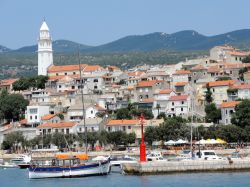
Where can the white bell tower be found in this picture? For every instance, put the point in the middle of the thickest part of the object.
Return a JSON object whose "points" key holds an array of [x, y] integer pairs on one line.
{"points": [[45, 53]]}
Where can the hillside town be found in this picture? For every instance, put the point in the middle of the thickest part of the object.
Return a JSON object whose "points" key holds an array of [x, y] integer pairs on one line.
{"points": [[86, 97]]}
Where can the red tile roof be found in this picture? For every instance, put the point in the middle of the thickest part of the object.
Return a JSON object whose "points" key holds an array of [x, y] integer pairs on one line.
{"points": [[7, 82], [123, 122], [239, 53], [178, 98], [91, 68], [23, 121], [221, 83], [135, 74], [230, 104], [57, 125], [239, 87], [181, 84], [65, 68], [165, 91], [147, 83], [48, 116]]}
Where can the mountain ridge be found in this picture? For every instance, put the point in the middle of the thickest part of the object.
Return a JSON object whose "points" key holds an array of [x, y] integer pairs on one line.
{"points": [[186, 40]]}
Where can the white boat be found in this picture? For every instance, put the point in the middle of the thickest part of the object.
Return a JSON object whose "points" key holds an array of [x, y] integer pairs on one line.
{"points": [[155, 156], [8, 165], [207, 155], [21, 159], [70, 167], [117, 161]]}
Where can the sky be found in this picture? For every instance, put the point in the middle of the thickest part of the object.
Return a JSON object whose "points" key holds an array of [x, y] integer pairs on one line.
{"points": [[95, 22]]}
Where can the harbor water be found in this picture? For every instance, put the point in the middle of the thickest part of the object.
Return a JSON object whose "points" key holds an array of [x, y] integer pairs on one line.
{"points": [[19, 178]]}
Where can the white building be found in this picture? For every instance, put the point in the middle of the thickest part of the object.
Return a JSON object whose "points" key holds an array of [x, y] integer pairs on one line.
{"points": [[45, 53], [227, 109], [61, 127], [161, 100], [178, 105], [35, 113]]}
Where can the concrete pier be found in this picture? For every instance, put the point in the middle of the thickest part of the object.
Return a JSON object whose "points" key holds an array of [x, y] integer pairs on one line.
{"points": [[159, 167]]}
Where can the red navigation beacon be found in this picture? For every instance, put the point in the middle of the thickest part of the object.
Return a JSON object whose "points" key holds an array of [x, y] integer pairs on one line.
{"points": [[142, 146]]}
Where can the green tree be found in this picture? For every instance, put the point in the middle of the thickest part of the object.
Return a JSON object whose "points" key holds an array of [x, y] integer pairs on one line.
{"points": [[92, 138], [59, 140], [224, 78], [151, 134], [241, 117], [242, 71], [173, 129], [103, 137], [61, 116], [212, 113], [123, 113], [21, 84], [162, 115], [41, 81], [158, 107], [13, 106], [11, 140], [208, 96], [37, 82], [116, 138], [230, 133]]}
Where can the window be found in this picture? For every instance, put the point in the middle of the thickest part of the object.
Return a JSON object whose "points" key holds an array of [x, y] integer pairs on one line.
{"points": [[80, 129], [33, 110], [74, 73], [95, 87], [35, 116], [67, 131], [60, 86], [236, 58], [146, 89], [30, 117], [172, 103], [56, 74], [95, 80], [172, 109], [226, 111], [109, 129], [65, 73], [182, 102], [91, 112], [72, 87], [123, 128], [129, 127], [140, 90], [182, 109]]}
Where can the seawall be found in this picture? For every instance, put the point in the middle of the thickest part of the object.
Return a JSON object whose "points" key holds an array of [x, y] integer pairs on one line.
{"points": [[159, 167]]}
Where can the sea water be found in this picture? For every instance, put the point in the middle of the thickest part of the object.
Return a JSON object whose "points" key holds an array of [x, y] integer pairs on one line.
{"points": [[19, 178]]}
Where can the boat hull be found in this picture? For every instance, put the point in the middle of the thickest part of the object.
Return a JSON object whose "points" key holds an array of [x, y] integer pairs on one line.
{"points": [[97, 168]]}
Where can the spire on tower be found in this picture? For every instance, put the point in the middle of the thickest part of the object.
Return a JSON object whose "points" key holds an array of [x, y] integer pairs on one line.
{"points": [[44, 26]]}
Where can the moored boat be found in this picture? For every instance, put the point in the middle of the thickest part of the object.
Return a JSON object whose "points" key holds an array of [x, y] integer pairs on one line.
{"points": [[69, 167]]}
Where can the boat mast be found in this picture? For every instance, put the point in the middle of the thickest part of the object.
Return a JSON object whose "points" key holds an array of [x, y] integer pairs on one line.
{"points": [[83, 107]]}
